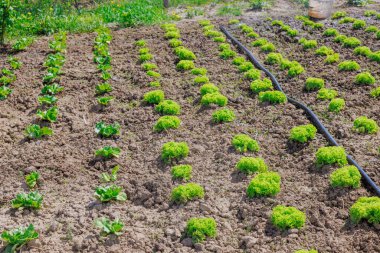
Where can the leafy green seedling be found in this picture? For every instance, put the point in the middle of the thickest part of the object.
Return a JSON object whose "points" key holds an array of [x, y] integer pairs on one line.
{"points": [[366, 208], [108, 193], [258, 86], [154, 97], [51, 89], [47, 100], [324, 51], [187, 192], [140, 43], [22, 44], [27, 200], [330, 59], [371, 29], [365, 125], [106, 177], [327, 94], [167, 122], [168, 107], [184, 53], [243, 143], [252, 74], [268, 47], [108, 152], [339, 14], [19, 237], [108, 227], [31, 179], [314, 84], [375, 92], [264, 184], [14, 62], [105, 100], [303, 133], [351, 42], [365, 78], [364, 51], [49, 115], [149, 66], [103, 88], [198, 229], [284, 217], [107, 131], [245, 66], [201, 80], [4, 92], [273, 97], [273, 58], [185, 65], [214, 98], [227, 54], [348, 176], [174, 151], [340, 38], [238, 60], [259, 42], [251, 165], [145, 57], [36, 132], [208, 88], [331, 155], [330, 32], [348, 66], [308, 44], [175, 43], [199, 71], [359, 24], [223, 115], [182, 172]]}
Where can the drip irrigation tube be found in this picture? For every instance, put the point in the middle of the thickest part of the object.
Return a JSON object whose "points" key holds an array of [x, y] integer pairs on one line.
{"points": [[313, 118]]}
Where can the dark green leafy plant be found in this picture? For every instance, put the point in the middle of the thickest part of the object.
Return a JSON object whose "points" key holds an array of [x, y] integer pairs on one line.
{"points": [[251, 165], [168, 107], [108, 193], [243, 143], [108, 152], [109, 227], [31, 179], [264, 184], [106, 177], [27, 200], [187, 192], [167, 122], [366, 208], [49, 115], [331, 155], [223, 115], [198, 229], [303, 133], [365, 125], [154, 97], [348, 176], [174, 151], [36, 132], [182, 172], [17, 238], [107, 131], [284, 217]]}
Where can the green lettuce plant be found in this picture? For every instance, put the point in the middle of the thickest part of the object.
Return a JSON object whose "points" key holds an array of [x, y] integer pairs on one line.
{"points": [[154, 97], [287, 217], [223, 115], [109, 193], [182, 172], [243, 143], [17, 238], [314, 84], [365, 78], [251, 165], [348, 176], [303, 133], [167, 122], [327, 94], [198, 229], [31, 200], [264, 185], [50, 114], [331, 155], [208, 88], [214, 98], [366, 208], [187, 192], [108, 152], [168, 107], [174, 151], [365, 125], [36, 132], [110, 227], [273, 97], [31, 179], [107, 130]]}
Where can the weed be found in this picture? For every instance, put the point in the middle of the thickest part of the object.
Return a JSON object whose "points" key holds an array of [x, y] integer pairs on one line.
{"points": [[198, 229], [264, 184], [331, 155], [284, 217], [174, 151], [303, 133], [223, 115], [243, 143], [348, 176], [187, 192], [365, 125]]}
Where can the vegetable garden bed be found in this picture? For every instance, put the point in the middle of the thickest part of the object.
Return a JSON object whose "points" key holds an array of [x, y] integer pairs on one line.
{"points": [[153, 220]]}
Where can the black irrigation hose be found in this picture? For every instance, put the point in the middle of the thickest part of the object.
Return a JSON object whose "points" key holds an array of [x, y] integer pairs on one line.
{"points": [[313, 118]]}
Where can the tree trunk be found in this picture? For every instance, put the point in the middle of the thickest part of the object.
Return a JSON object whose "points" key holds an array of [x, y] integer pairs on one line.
{"points": [[166, 3]]}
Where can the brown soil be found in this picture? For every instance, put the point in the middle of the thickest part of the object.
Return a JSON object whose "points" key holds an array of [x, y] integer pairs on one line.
{"points": [[153, 224]]}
